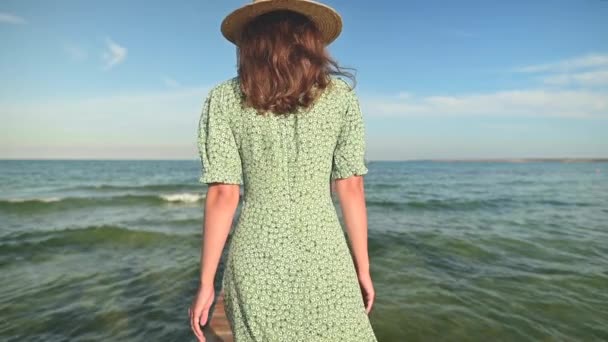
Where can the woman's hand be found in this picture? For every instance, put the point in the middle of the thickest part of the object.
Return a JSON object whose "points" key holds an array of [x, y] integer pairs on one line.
{"points": [[199, 310], [367, 290]]}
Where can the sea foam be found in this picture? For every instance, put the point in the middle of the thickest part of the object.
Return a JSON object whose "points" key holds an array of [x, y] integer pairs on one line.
{"points": [[182, 197]]}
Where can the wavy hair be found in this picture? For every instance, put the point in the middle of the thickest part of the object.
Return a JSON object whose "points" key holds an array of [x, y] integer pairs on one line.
{"points": [[283, 64]]}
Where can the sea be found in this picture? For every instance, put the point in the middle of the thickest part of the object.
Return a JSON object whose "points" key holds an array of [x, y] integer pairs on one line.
{"points": [[109, 250]]}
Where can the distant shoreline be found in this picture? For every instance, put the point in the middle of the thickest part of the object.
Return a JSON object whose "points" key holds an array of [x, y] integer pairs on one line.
{"points": [[499, 160], [525, 160]]}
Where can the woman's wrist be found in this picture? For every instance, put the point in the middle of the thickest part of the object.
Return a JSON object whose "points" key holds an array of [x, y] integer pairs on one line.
{"points": [[206, 281]]}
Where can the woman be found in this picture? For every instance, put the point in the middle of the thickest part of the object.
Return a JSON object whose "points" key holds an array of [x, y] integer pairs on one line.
{"points": [[284, 128]]}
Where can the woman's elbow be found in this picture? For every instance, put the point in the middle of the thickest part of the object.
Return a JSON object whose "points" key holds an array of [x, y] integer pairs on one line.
{"points": [[223, 193], [350, 185]]}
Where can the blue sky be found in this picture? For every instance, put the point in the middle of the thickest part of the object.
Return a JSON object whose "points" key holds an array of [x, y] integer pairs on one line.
{"points": [[436, 79]]}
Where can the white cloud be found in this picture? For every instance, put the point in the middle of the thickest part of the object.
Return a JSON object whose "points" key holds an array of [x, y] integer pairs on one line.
{"points": [[588, 78], [166, 117], [157, 104], [510, 103], [589, 71], [589, 99], [145, 104], [114, 54], [7, 18], [577, 63]]}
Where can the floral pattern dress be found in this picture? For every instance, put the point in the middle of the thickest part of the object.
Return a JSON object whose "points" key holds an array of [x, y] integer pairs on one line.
{"points": [[289, 274]]}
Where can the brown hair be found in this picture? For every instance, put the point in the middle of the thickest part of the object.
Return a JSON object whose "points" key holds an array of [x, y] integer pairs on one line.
{"points": [[283, 62]]}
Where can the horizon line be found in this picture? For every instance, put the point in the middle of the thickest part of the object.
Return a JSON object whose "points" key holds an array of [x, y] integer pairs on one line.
{"points": [[506, 159]]}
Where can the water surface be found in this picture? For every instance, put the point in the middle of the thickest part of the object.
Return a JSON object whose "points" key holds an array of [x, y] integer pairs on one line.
{"points": [[475, 251]]}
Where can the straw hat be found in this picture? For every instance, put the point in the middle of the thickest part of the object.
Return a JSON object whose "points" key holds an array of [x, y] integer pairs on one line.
{"points": [[326, 18]]}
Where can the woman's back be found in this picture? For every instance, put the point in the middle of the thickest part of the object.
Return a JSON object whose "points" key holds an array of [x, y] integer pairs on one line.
{"points": [[299, 150], [289, 272]]}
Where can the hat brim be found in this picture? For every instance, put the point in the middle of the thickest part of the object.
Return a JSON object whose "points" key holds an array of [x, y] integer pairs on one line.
{"points": [[327, 20]]}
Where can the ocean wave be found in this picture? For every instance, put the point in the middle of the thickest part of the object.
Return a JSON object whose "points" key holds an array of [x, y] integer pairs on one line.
{"points": [[42, 200], [442, 204], [472, 204], [52, 203], [144, 187], [32, 242], [184, 197]]}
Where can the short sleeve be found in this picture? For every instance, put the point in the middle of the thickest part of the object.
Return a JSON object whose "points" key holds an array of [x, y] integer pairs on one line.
{"points": [[218, 150], [349, 154]]}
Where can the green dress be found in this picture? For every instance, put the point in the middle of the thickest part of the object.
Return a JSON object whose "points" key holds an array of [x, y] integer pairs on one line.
{"points": [[289, 274]]}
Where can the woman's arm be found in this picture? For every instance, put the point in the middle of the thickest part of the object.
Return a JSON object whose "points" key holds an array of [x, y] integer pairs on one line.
{"points": [[220, 205], [351, 194], [352, 201]]}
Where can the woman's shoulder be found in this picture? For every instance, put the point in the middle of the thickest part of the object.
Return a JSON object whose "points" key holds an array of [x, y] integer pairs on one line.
{"points": [[227, 90], [341, 87], [340, 83], [341, 91], [227, 84]]}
